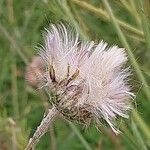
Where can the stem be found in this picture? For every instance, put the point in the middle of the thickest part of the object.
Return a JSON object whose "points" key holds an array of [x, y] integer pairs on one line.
{"points": [[78, 134], [10, 11], [13, 132], [83, 29], [145, 26], [66, 8], [53, 138], [131, 8], [141, 124], [105, 16], [137, 134], [13, 42], [14, 89], [135, 13], [42, 128]]}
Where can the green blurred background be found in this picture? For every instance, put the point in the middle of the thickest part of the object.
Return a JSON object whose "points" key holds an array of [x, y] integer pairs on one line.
{"points": [[122, 22]]}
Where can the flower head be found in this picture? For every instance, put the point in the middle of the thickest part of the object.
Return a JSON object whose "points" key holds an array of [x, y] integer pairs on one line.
{"points": [[88, 80]]}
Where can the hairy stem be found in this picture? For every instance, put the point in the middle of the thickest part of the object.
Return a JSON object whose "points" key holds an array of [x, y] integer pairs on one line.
{"points": [[42, 128]]}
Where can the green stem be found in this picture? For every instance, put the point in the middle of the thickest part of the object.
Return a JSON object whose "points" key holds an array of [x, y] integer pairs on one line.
{"points": [[145, 27], [78, 17], [79, 135], [105, 16], [13, 43], [131, 7], [141, 124], [14, 89], [133, 11], [66, 8], [137, 134]]}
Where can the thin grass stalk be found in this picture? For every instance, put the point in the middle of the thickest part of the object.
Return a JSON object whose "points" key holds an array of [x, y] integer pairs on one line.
{"points": [[83, 27], [136, 38], [1, 9], [138, 136], [14, 140], [53, 138], [128, 136], [105, 16], [10, 11], [29, 17], [126, 5], [78, 134], [13, 133], [126, 45], [66, 8], [135, 13], [145, 27], [114, 139], [13, 43], [142, 125], [130, 6], [14, 89]]}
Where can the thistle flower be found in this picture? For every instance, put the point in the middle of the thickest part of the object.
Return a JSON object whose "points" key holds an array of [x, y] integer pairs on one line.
{"points": [[87, 80]]}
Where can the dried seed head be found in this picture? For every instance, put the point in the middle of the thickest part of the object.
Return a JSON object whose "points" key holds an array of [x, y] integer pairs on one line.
{"points": [[88, 80], [34, 71]]}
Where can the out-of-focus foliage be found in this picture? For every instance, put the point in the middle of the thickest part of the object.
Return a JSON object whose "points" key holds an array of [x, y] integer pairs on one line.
{"points": [[22, 107]]}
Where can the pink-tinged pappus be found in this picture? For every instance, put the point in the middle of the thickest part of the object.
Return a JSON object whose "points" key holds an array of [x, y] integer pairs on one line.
{"points": [[88, 80]]}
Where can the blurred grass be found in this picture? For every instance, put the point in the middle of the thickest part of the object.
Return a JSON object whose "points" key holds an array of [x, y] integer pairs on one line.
{"points": [[125, 23]]}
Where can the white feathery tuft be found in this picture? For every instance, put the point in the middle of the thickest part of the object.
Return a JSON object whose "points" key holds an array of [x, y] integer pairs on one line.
{"points": [[106, 93]]}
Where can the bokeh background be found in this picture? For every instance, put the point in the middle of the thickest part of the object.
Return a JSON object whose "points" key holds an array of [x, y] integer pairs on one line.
{"points": [[122, 22]]}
